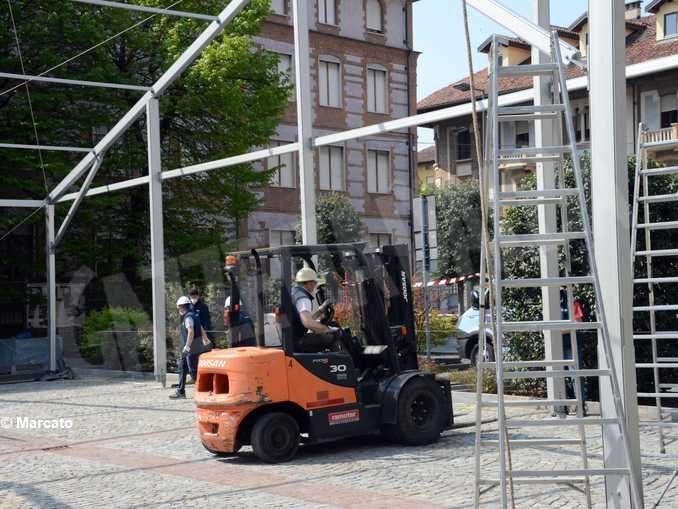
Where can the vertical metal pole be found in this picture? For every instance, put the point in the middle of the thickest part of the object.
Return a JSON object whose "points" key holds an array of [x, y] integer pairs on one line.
{"points": [[426, 266], [157, 241], [498, 308], [51, 286], [611, 232], [544, 131], [302, 72]]}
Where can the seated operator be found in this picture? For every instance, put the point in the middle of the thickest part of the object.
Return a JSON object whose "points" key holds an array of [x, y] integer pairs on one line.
{"points": [[303, 294]]}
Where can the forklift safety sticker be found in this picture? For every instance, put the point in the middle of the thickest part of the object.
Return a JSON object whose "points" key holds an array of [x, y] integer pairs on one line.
{"points": [[212, 363], [344, 417]]}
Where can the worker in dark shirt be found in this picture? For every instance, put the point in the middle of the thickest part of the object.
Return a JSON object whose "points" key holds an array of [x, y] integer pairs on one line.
{"points": [[199, 307]]}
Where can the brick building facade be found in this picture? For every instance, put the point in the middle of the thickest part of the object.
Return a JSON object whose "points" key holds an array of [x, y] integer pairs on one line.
{"points": [[363, 71]]}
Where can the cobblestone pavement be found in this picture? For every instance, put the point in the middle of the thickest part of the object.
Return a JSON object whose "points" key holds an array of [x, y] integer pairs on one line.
{"points": [[129, 446]]}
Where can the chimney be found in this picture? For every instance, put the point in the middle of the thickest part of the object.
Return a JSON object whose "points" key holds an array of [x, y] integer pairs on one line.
{"points": [[633, 10]]}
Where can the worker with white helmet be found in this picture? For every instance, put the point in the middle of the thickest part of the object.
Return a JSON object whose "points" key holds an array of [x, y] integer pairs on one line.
{"points": [[191, 347], [303, 298]]}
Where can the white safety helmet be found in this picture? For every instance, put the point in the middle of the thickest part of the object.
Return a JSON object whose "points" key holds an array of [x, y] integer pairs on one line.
{"points": [[183, 301], [306, 275]]}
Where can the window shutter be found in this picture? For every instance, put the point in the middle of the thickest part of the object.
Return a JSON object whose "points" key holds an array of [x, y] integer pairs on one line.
{"points": [[371, 171], [383, 172], [337, 166], [286, 171], [508, 135], [380, 91], [278, 6], [324, 163], [374, 16], [334, 84], [323, 83], [650, 107], [371, 98]]}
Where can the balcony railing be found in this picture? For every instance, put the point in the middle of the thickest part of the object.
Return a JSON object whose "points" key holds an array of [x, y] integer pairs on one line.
{"points": [[667, 134]]}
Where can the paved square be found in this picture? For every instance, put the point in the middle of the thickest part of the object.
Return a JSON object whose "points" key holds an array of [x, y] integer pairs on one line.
{"points": [[129, 446]]}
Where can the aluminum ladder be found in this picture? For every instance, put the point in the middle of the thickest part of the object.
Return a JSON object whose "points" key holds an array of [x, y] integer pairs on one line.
{"points": [[560, 111], [642, 197]]}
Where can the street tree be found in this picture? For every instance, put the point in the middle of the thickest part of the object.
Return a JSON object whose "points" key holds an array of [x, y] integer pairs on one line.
{"points": [[229, 101]]}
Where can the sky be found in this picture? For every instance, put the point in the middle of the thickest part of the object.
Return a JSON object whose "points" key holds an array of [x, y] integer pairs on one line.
{"points": [[439, 36]]}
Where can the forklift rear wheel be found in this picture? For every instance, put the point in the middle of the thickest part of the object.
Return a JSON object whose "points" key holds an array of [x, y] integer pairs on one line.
{"points": [[275, 437], [421, 418]]}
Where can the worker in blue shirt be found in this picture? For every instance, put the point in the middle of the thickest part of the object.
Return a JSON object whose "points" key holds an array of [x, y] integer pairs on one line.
{"points": [[199, 307], [193, 341]]}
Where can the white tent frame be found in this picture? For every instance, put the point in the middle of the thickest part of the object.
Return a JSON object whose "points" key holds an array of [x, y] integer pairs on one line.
{"points": [[537, 36]]}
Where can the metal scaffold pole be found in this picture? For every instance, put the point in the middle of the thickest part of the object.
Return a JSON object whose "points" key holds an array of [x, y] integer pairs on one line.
{"points": [[157, 241], [611, 232], [305, 121], [51, 286]]}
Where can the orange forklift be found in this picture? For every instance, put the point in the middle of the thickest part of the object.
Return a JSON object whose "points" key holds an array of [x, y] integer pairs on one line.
{"points": [[359, 379]]}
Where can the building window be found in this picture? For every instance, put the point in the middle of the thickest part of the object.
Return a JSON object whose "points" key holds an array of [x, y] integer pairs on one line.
{"points": [[327, 12], [284, 173], [522, 134], [430, 181], [671, 24], [279, 238], [286, 68], [376, 90], [378, 172], [331, 162], [278, 7], [374, 16], [378, 240], [463, 145], [330, 83], [669, 112]]}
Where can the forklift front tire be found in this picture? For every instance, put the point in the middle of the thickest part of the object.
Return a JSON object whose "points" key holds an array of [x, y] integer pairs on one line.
{"points": [[275, 437], [421, 414]]}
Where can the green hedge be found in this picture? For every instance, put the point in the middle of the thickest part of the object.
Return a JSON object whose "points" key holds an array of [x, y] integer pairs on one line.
{"points": [[98, 324]]}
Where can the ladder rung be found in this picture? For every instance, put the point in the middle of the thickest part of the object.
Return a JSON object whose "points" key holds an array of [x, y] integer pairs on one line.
{"points": [[532, 402], [656, 280], [548, 325], [528, 117], [658, 335], [660, 144], [661, 395], [536, 442], [666, 225], [667, 359], [552, 281], [567, 473], [526, 110], [662, 307], [659, 198], [540, 480], [530, 364], [668, 386], [654, 172], [570, 421], [658, 252], [527, 70], [556, 373], [539, 239], [535, 151], [665, 365], [531, 203], [538, 193], [659, 424]]}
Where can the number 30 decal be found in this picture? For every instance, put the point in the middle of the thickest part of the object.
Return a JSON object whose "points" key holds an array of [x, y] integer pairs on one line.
{"points": [[338, 368]]}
